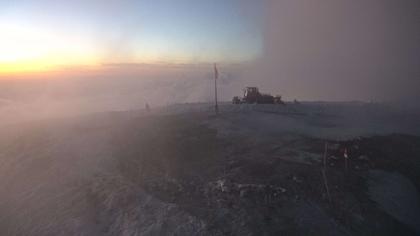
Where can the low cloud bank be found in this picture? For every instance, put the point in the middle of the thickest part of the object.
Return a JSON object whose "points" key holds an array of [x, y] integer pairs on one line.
{"points": [[113, 87]]}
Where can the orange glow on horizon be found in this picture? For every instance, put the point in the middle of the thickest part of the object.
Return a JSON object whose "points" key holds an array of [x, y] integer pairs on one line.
{"points": [[36, 66], [27, 50]]}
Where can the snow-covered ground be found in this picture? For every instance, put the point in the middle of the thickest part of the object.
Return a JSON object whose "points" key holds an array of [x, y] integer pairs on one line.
{"points": [[341, 120], [180, 169]]}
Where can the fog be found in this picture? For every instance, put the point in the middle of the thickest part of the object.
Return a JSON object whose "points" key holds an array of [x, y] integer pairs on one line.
{"points": [[113, 87], [141, 174], [311, 50], [341, 50]]}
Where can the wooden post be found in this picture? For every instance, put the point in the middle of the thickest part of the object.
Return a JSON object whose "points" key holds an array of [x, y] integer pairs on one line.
{"points": [[325, 155], [324, 174], [216, 76], [346, 159]]}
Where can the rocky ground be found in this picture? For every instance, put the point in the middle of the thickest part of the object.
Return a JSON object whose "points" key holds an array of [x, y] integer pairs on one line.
{"points": [[246, 171]]}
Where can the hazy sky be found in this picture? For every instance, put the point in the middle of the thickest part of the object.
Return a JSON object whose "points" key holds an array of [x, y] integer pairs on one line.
{"points": [[305, 49], [44, 33], [341, 49]]}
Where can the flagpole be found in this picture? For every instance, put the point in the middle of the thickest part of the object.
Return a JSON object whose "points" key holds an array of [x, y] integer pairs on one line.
{"points": [[216, 107]]}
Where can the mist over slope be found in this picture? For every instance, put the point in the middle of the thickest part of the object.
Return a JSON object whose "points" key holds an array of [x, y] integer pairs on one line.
{"points": [[80, 154], [181, 170], [113, 88], [129, 87]]}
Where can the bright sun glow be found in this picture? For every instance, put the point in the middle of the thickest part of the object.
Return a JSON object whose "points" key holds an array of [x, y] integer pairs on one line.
{"points": [[26, 49]]}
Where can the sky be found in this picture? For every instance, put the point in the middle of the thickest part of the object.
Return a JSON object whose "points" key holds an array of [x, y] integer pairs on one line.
{"points": [[46, 34], [329, 50]]}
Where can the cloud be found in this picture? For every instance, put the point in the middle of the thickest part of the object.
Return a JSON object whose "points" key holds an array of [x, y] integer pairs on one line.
{"points": [[341, 50]]}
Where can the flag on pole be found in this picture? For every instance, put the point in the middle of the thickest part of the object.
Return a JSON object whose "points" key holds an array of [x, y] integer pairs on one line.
{"points": [[216, 72]]}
